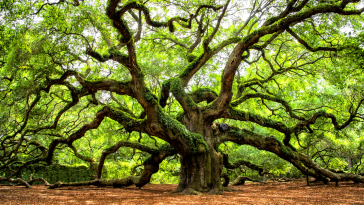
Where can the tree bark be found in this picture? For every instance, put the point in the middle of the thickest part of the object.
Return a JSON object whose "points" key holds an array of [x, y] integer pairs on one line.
{"points": [[18, 180], [201, 167], [264, 175], [201, 172], [350, 164], [241, 180]]}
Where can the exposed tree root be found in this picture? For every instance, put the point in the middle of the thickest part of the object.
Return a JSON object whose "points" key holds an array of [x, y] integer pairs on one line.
{"points": [[216, 191], [190, 191], [227, 189], [179, 189]]}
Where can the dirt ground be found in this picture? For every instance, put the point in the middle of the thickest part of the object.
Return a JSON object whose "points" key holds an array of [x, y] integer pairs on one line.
{"points": [[251, 193]]}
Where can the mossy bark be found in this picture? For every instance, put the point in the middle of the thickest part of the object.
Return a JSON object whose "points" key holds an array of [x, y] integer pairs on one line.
{"points": [[200, 173], [301, 161], [201, 166]]}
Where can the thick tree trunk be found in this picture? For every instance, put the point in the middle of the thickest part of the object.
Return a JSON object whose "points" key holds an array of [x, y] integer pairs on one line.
{"points": [[201, 166], [201, 172]]}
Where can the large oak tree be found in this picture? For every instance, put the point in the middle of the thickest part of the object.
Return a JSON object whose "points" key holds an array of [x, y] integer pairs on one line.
{"points": [[262, 67]]}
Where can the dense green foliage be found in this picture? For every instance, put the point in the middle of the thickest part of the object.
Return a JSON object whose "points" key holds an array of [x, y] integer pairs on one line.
{"points": [[76, 79]]}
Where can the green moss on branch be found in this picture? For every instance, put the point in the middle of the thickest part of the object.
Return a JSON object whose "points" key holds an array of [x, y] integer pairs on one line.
{"points": [[191, 140]]}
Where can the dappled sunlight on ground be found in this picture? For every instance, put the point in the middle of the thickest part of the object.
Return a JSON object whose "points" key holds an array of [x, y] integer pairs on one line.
{"points": [[250, 193]]}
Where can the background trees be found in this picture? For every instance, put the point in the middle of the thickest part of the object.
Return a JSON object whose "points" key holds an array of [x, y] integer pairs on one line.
{"points": [[80, 80]]}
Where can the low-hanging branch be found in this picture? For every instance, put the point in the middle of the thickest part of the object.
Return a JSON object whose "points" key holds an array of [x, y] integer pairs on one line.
{"points": [[304, 163], [18, 180], [238, 163], [91, 160], [114, 148], [30, 182], [151, 166], [241, 180]]}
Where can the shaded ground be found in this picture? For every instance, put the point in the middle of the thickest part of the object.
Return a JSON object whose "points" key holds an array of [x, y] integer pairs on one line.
{"points": [[250, 193]]}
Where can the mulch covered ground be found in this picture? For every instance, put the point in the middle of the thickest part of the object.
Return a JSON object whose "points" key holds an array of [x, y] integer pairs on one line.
{"points": [[251, 193]]}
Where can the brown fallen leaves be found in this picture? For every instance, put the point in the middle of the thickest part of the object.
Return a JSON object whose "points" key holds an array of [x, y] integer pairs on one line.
{"points": [[251, 193]]}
